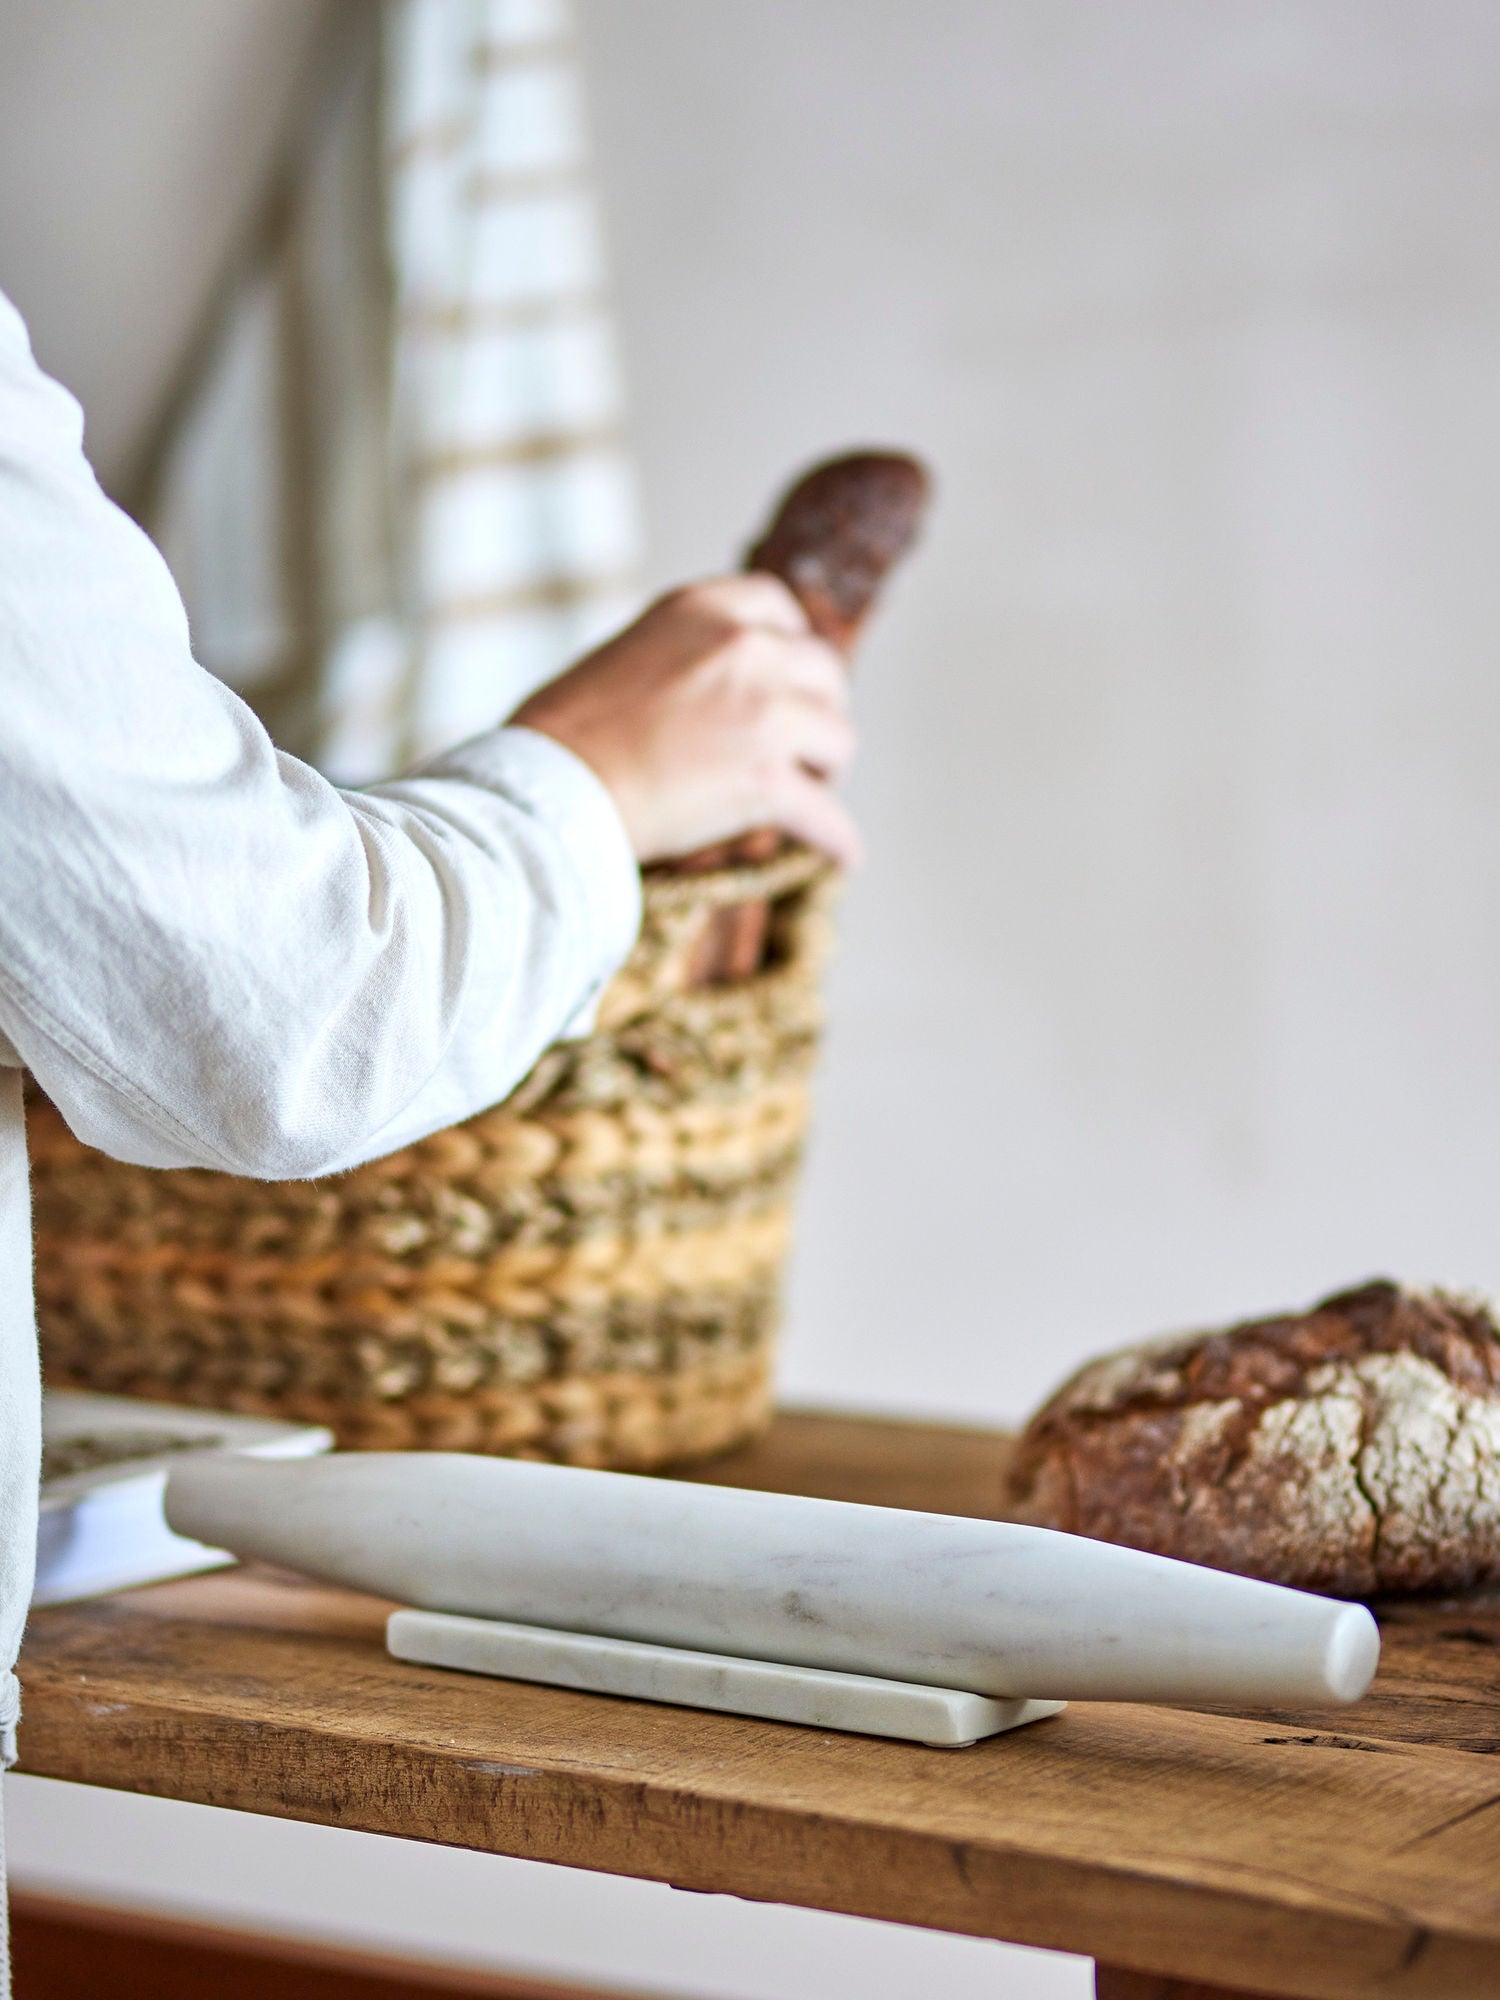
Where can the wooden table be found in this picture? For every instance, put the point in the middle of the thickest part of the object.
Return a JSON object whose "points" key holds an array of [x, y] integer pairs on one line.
{"points": [[1317, 1855]]}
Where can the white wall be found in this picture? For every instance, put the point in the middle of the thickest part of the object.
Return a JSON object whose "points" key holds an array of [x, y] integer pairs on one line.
{"points": [[1172, 987], [135, 143]]}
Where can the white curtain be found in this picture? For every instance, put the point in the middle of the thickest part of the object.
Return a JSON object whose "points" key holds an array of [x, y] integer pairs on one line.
{"points": [[396, 491]]}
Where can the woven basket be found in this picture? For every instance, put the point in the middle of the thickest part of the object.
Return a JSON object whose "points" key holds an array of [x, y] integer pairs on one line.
{"points": [[588, 1272]]}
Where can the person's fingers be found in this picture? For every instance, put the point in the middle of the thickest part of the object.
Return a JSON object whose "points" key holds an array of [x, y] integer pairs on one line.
{"points": [[806, 807], [815, 735], [786, 665], [752, 599], [812, 668]]}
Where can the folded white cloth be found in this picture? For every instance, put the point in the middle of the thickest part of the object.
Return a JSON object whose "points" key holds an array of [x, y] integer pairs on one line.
{"points": [[395, 489]]}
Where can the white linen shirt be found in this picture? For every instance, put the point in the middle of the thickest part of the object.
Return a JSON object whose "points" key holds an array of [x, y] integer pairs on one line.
{"points": [[211, 957]]}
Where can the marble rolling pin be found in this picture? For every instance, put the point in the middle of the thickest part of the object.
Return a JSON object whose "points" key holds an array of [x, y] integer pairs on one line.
{"points": [[1000, 1610]]}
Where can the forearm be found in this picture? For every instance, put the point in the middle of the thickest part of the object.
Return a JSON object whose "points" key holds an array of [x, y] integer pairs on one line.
{"points": [[210, 956]]}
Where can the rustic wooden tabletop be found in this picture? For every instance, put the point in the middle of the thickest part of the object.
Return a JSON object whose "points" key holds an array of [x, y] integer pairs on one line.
{"points": [[1326, 1856]]}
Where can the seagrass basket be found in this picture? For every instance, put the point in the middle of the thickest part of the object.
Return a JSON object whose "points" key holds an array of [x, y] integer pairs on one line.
{"points": [[588, 1272]]}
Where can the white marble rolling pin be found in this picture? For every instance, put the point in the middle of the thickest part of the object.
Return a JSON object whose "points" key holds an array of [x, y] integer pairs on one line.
{"points": [[980, 1605]]}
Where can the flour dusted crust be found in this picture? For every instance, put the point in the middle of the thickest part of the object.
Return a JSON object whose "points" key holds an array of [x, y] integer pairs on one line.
{"points": [[839, 531], [1353, 1449]]}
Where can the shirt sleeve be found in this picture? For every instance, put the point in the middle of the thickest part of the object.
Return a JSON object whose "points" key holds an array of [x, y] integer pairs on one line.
{"points": [[210, 956]]}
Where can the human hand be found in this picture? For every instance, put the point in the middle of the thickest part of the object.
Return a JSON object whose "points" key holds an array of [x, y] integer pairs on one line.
{"points": [[716, 712]]}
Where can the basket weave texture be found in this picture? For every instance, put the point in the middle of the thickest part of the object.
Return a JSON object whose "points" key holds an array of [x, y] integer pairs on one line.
{"points": [[588, 1272]]}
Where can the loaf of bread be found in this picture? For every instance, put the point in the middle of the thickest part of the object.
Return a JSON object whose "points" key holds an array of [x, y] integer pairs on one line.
{"points": [[1353, 1449], [836, 534], [834, 537]]}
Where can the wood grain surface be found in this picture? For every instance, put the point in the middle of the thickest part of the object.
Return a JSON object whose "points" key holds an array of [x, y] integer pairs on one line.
{"points": [[1111, 1984], [1318, 1856]]}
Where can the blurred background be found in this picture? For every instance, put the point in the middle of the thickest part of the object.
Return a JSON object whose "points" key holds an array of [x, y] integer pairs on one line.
{"points": [[1171, 989]]}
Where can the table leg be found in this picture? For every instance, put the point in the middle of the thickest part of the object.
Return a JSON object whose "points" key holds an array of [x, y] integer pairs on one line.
{"points": [[1113, 1983]]}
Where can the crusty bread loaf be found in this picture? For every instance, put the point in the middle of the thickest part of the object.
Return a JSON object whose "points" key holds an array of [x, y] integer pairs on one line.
{"points": [[836, 534], [1353, 1449], [834, 537], [839, 532]]}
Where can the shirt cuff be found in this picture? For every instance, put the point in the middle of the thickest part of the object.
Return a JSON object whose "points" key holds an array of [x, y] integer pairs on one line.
{"points": [[561, 792]]}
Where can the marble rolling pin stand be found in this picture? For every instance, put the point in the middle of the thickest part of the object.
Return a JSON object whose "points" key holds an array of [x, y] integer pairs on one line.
{"points": [[926, 1626]]}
